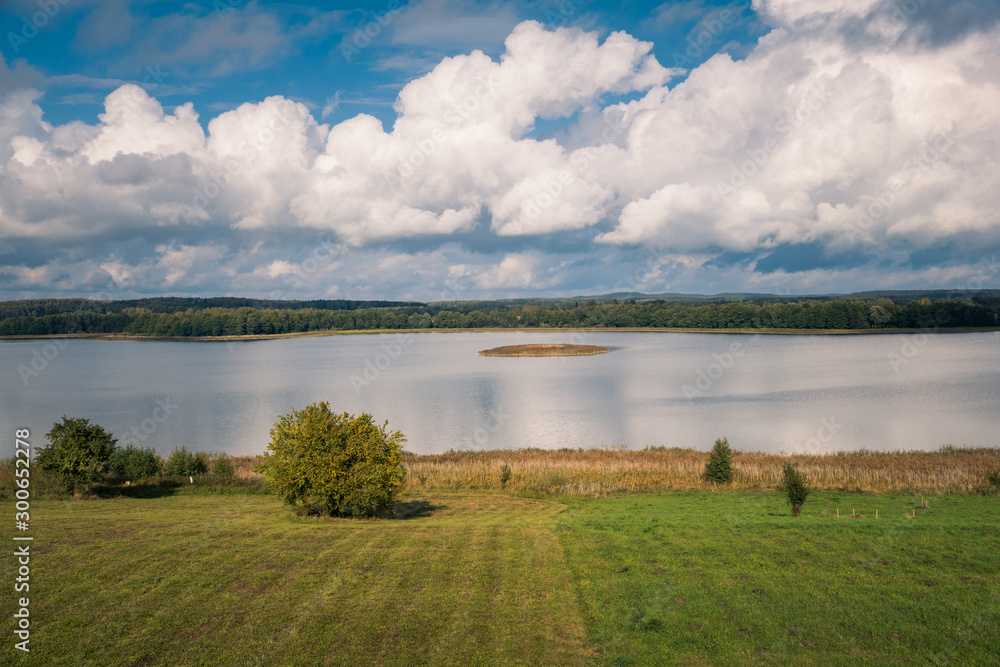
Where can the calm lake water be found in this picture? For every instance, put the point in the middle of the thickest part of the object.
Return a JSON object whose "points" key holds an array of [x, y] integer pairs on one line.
{"points": [[764, 392]]}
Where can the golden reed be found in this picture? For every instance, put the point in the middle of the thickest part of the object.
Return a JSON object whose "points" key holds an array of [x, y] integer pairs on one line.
{"points": [[616, 470]]}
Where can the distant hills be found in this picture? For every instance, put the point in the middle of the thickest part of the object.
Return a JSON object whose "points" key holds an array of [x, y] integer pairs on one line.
{"points": [[174, 304], [896, 296]]}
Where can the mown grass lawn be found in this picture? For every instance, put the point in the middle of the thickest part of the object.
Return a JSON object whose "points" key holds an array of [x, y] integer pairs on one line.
{"points": [[688, 578], [731, 578], [240, 580]]}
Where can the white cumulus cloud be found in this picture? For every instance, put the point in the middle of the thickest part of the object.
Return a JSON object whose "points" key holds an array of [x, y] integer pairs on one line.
{"points": [[846, 127]]}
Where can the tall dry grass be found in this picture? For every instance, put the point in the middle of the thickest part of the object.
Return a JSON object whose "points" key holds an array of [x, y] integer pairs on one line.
{"points": [[616, 470], [604, 471]]}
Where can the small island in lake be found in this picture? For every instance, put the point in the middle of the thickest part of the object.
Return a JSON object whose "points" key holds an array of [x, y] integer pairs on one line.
{"points": [[544, 350]]}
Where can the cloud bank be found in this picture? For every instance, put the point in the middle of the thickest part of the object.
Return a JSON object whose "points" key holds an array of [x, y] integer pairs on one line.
{"points": [[857, 142]]}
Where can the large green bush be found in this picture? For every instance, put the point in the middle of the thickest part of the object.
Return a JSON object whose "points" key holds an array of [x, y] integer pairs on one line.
{"points": [[719, 468], [79, 453], [133, 462], [335, 464]]}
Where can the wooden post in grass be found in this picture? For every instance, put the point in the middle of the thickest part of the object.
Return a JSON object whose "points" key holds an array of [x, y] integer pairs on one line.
{"points": [[838, 512], [876, 514]]}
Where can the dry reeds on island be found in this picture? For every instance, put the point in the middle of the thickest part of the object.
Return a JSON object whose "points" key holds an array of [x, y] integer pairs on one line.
{"points": [[544, 350], [615, 470]]}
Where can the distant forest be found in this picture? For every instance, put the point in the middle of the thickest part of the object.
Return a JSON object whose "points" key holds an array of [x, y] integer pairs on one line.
{"points": [[227, 316]]}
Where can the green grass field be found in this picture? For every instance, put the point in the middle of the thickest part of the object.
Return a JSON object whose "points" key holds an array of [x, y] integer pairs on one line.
{"points": [[686, 578], [731, 578]]}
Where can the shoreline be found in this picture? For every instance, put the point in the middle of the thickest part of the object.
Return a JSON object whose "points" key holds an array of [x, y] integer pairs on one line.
{"points": [[354, 332]]}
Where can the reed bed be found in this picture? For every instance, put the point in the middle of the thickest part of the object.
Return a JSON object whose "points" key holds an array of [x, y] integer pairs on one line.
{"points": [[544, 350], [606, 471], [598, 472]]}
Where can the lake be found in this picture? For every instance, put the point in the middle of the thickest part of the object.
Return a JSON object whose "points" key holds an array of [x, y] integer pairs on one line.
{"points": [[771, 393]]}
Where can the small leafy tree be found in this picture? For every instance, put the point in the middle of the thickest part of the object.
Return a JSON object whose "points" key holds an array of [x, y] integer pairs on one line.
{"points": [[78, 453], [795, 488], [719, 468], [335, 464], [223, 466], [182, 462], [134, 462]]}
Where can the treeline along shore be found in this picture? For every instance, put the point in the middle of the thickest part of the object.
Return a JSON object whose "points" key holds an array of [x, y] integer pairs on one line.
{"points": [[177, 317]]}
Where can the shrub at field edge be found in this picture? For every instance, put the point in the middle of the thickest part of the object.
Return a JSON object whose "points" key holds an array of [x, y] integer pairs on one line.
{"points": [[335, 464], [719, 468], [795, 488]]}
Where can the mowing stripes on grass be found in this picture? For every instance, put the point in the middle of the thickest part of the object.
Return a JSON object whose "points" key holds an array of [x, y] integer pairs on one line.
{"points": [[197, 580]]}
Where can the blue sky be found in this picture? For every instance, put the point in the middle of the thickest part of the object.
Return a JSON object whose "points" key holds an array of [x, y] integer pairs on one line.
{"points": [[338, 62], [451, 150]]}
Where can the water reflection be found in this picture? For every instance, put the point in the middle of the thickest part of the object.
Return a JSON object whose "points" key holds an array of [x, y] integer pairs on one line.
{"points": [[774, 393]]}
